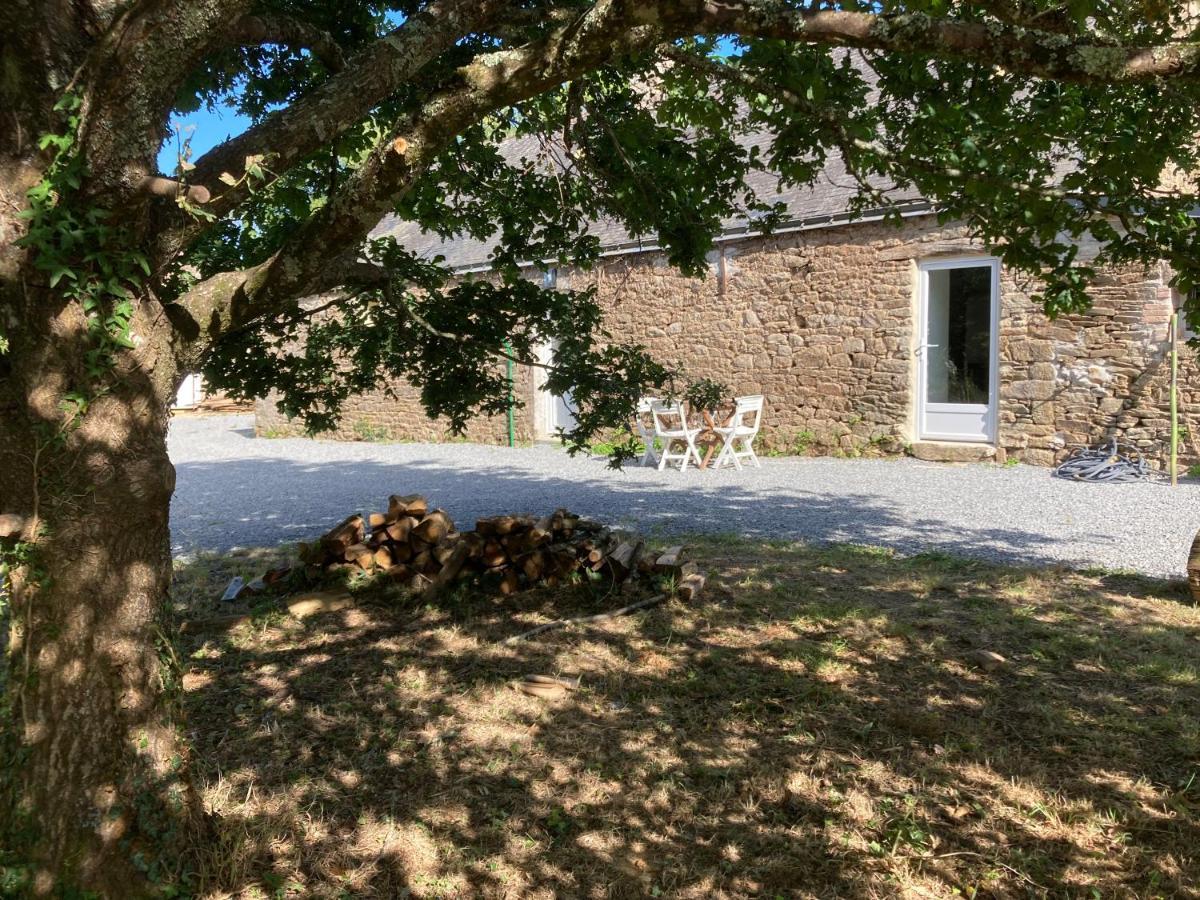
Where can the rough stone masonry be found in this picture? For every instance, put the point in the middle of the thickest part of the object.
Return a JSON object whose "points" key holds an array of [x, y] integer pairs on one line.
{"points": [[822, 322]]}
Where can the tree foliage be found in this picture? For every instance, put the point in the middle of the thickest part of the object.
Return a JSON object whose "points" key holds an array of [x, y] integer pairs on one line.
{"points": [[649, 137]]}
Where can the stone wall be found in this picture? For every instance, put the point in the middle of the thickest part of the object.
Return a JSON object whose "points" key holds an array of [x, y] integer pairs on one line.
{"points": [[377, 416], [821, 322]]}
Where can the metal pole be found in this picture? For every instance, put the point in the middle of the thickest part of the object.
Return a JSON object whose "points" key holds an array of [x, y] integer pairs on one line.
{"points": [[512, 424], [1174, 398]]}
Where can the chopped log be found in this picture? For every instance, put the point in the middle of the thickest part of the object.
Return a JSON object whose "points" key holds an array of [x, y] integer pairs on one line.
{"points": [[475, 542], [669, 561], [493, 555], [361, 555], [274, 576], [409, 505], [690, 587], [546, 527], [522, 542], [506, 524], [450, 569], [435, 526], [510, 582], [401, 552], [422, 562], [344, 535], [214, 623], [400, 529], [533, 565], [376, 520], [622, 561], [446, 549], [383, 558]]}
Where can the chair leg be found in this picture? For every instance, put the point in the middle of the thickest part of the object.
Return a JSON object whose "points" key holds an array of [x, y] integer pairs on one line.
{"points": [[689, 450], [662, 460], [723, 456]]}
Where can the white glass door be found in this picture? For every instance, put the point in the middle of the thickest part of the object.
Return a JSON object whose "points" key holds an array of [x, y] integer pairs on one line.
{"points": [[957, 350], [557, 410]]}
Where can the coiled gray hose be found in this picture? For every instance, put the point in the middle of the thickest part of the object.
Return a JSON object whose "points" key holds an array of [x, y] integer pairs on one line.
{"points": [[1107, 464]]}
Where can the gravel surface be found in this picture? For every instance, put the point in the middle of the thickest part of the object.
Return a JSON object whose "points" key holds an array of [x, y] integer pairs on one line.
{"points": [[235, 490]]}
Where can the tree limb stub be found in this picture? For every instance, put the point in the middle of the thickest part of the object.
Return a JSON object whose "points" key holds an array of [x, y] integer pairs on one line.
{"points": [[166, 187]]}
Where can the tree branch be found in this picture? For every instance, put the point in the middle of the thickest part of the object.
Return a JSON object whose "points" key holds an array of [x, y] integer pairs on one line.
{"points": [[1044, 54], [606, 30], [289, 32], [130, 81], [345, 100], [490, 82], [379, 71]]}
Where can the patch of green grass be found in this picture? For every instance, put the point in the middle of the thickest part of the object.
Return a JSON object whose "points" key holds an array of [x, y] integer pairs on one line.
{"points": [[376, 434]]}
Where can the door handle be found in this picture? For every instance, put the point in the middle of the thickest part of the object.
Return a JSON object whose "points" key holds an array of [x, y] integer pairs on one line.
{"points": [[924, 347]]}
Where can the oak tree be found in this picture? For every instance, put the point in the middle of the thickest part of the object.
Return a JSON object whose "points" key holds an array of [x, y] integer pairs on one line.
{"points": [[1040, 124]]}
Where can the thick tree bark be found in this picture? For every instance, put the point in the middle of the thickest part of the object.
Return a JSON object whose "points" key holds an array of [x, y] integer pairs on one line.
{"points": [[94, 792]]}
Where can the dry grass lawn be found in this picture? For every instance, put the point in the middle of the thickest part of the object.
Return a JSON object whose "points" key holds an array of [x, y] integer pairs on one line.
{"points": [[819, 725]]}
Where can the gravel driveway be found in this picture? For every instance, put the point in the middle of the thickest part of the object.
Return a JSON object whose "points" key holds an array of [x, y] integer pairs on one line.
{"points": [[235, 490]]}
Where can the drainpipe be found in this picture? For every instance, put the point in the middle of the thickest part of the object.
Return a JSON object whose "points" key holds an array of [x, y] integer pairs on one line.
{"points": [[1174, 398], [512, 424]]}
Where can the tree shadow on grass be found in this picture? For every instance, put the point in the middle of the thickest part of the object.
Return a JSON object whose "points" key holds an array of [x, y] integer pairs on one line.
{"points": [[818, 724]]}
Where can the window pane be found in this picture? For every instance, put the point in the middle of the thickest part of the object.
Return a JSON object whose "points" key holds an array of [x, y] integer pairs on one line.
{"points": [[958, 335]]}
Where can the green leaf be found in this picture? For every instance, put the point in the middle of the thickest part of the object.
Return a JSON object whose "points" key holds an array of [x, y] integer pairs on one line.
{"points": [[58, 273]]}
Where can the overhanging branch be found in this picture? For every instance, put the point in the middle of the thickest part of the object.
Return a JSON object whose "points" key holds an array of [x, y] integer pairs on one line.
{"points": [[284, 30], [342, 102], [605, 31]]}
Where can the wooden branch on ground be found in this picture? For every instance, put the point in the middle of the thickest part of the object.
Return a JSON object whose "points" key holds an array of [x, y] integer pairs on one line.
{"points": [[581, 620]]}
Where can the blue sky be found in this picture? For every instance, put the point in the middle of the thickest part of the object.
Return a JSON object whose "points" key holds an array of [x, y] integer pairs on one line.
{"points": [[207, 130]]}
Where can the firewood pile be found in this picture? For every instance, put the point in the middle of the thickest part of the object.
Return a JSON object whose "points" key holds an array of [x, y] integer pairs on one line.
{"points": [[420, 548]]}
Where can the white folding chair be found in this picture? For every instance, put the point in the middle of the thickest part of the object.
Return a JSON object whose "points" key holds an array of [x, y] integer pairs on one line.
{"points": [[738, 430], [671, 427], [646, 431]]}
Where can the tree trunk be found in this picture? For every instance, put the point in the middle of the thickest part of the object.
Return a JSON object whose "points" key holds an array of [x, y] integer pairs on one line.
{"points": [[94, 792]]}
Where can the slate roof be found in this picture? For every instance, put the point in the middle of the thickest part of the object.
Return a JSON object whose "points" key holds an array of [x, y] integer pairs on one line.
{"points": [[823, 204]]}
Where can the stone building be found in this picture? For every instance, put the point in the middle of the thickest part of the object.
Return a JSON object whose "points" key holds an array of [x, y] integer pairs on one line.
{"points": [[864, 337]]}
